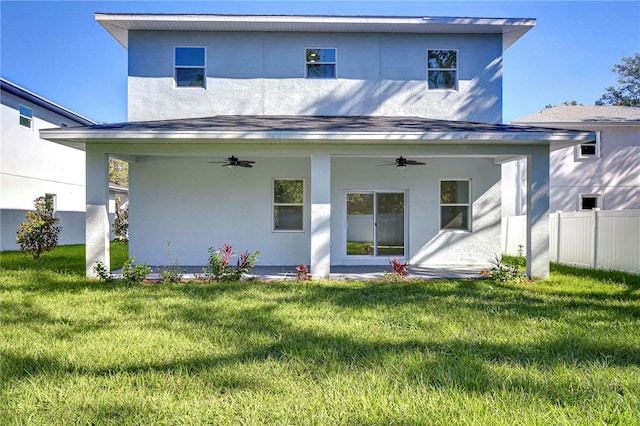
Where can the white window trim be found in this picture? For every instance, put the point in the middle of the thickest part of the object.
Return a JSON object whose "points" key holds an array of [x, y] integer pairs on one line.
{"points": [[335, 63], [467, 204], [175, 67], [456, 69], [598, 198], [578, 156], [20, 116], [274, 204]]}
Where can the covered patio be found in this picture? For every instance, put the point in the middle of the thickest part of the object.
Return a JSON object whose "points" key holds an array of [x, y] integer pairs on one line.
{"points": [[331, 154]]}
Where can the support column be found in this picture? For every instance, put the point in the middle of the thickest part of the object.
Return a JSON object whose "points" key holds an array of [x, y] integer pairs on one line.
{"points": [[320, 215], [97, 216], [538, 213]]}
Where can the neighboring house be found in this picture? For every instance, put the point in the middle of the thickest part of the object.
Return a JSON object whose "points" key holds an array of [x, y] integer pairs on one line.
{"points": [[603, 174], [321, 105], [31, 167]]}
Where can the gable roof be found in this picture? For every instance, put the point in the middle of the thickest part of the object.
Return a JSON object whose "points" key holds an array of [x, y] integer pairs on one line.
{"points": [[583, 114], [118, 25], [29, 96], [313, 129]]}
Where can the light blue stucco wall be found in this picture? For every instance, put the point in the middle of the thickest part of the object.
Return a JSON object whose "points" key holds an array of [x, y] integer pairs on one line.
{"points": [[263, 73]]}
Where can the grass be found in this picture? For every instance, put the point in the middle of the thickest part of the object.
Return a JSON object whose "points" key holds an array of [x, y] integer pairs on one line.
{"points": [[562, 351]]}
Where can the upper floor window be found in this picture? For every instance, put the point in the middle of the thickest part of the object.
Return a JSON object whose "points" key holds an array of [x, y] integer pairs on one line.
{"points": [[26, 116], [321, 62], [442, 69], [589, 150], [189, 66], [455, 205]]}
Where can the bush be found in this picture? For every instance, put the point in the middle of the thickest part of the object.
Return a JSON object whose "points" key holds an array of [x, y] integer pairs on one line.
{"points": [[171, 273], [121, 222], [504, 274], [135, 273], [219, 264], [41, 230]]}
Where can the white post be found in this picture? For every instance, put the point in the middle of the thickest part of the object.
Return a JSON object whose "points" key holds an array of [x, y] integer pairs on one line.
{"points": [[596, 236], [538, 213], [97, 216], [320, 215]]}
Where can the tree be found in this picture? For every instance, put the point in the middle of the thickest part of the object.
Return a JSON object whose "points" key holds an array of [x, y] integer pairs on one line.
{"points": [[119, 172], [121, 222], [565, 103], [41, 230], [627, 91]]}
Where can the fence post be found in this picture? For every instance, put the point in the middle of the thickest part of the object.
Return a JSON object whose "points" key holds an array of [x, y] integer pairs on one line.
{"points": [[596, 236], [558, 235]]}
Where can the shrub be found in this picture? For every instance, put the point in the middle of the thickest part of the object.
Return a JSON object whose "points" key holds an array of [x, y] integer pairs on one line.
{"points": [[121, 222], [399, 268], [171, 273], [41, 230], [303, 273], [103, 272], [504, 274], [219, 264], [135, 273]]}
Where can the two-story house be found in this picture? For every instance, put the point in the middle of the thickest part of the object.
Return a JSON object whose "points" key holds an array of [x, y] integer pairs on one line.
{"points": [[31, 167], [603, 174], [367, 137]]}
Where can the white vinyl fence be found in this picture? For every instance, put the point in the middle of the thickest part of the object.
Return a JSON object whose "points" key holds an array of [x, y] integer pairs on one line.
{"points": [[606, 239]]}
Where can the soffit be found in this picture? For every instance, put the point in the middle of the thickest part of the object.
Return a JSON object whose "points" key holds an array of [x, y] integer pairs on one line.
{"points": [[118, 25]]}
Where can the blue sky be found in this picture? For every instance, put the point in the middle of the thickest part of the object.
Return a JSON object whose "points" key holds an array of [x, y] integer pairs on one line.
{"points": [[57, 50]]}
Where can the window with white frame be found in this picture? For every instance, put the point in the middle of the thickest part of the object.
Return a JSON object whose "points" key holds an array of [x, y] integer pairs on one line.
{"points": [[190, 65], [590, 201], [26, 116], [589, 150], [321, 62], [442, 69], [288, 205], [455, 205]]}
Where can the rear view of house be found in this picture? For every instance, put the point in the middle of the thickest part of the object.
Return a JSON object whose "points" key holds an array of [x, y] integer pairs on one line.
{"points": [[320, 140]]}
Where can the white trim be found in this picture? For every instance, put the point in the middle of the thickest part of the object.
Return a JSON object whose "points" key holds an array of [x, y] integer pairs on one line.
{"points": [[303, 205], [203, 67], [456, 69], [468, 204], [306, 63]]}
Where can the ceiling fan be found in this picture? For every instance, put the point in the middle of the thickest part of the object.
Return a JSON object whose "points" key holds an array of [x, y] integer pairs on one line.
{"points": [[403, 162], [233, 161]]}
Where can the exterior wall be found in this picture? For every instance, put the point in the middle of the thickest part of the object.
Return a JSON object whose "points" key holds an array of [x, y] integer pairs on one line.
{"points": [[615, 175], [31, 167], [263, 74], [197, 205]]}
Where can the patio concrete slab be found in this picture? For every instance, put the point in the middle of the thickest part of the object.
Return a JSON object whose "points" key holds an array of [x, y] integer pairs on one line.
{"points": [[362, 272]]}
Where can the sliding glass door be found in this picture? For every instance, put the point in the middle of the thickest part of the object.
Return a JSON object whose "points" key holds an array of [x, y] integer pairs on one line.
{"points": [[376, 224]]}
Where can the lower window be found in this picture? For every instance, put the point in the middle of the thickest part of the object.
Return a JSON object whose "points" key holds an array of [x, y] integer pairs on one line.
{"points": [[288, 205], [455, 205], [590, 201]]}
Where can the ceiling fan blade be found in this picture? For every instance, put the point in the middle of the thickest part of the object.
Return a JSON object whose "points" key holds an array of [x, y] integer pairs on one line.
{"points": [[244, 164], [414, 163]]}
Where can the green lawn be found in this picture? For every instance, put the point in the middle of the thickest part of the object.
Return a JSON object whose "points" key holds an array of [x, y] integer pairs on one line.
{"points": [[564, 351]]}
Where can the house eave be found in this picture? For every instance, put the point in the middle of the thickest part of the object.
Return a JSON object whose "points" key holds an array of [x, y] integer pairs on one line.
{"points": [[119, 25], [79, 139]]}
